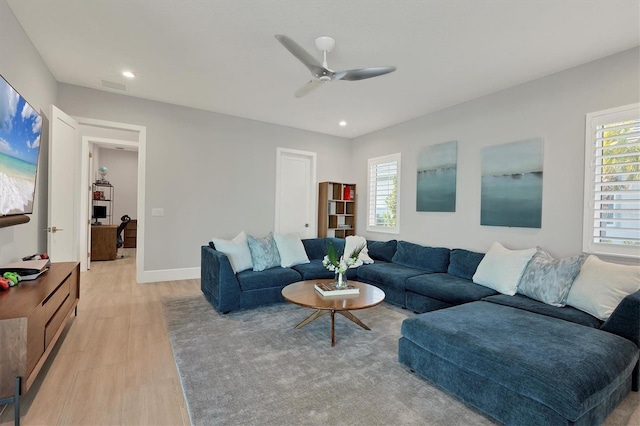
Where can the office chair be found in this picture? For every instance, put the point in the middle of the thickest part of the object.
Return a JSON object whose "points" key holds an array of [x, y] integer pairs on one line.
{"points": [[119, 241]]}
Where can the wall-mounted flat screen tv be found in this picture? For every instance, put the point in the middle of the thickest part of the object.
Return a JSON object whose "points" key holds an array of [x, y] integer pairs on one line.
{"points": [[20, 129]]}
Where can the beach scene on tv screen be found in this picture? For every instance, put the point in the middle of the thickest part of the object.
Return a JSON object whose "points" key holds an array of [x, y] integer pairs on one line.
{"points": [[20, 127]]}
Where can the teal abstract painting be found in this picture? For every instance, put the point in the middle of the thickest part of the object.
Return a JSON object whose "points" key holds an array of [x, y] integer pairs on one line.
{"points": [[436, 182], [511, 189]]}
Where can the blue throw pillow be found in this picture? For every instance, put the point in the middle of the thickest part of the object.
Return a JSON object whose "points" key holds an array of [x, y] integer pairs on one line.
{"points": [[549, 280], [429, 259], [463, 263], [264, 252], [382, 250]]}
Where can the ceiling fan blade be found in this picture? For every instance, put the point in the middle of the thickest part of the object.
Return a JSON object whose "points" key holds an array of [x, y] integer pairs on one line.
{"points": [[303, 56], [310, 86], [362, 73]]}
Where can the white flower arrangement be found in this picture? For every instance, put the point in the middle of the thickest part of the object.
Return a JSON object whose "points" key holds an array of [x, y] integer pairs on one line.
{"points": [[340, 266]]}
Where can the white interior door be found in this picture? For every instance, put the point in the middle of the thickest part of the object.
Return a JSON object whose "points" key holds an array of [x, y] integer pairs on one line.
{"points": [[64, 191], [296, 193]]}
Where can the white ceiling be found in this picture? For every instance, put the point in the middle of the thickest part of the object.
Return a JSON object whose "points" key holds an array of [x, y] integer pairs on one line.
{"points": [[221, 55]]}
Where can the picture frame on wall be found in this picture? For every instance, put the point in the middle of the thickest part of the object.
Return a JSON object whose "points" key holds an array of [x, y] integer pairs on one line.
{"points": [[437, 178], [511, 188]]}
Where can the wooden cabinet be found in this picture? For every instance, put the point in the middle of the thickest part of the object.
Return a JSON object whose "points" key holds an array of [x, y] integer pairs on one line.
{"points": [[33, 315], [336, 209], [104, 240], [131, 234]]}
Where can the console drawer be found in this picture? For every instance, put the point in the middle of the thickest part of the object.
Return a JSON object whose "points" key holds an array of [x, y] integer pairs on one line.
{"points": [[55, 322], [55, 300]]}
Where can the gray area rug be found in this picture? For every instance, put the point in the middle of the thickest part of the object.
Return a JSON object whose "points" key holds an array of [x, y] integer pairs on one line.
{"points": [[253, 368]]}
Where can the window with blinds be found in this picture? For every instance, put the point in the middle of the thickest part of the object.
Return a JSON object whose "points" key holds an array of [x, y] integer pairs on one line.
{"points": [[612, 182], [384, 197]]}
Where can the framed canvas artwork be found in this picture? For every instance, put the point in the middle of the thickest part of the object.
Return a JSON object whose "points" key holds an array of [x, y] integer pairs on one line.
{"points": [[436, 182], [511, 193]]}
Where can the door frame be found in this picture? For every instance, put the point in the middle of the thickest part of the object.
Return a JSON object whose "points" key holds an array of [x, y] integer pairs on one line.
{"points": [[142, 156], [313, 190], [89, 144]]}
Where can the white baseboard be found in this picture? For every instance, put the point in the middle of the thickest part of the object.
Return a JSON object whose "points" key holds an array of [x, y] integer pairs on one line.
{"points": [[169, 275]]}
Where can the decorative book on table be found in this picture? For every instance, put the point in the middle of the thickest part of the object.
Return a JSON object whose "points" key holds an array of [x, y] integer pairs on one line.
{"points": [[329, 289]]}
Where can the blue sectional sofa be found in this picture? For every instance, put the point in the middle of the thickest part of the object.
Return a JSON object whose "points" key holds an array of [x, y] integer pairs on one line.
{"points": [[518, 360]]}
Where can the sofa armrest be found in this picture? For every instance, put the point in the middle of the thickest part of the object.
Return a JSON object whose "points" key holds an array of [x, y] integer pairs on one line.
{"points": [[625, 320], [218, 282]]}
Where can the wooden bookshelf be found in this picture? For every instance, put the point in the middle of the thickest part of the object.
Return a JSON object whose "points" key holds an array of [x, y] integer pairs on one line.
{"points": [[336, 209]]}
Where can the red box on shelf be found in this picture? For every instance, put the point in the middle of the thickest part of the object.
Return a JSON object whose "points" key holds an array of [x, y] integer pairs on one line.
{"points": [[347, 193]]}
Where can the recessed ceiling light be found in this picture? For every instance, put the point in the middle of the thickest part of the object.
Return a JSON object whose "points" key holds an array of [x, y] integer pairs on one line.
{"points": [[342, 123], [128, 74]]}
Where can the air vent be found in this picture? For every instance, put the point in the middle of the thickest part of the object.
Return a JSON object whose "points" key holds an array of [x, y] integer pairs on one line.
{"points": [[113, 85]]}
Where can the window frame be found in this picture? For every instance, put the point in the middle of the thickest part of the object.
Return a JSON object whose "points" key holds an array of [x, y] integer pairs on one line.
{"points": [[593, 120], [372, 162]]}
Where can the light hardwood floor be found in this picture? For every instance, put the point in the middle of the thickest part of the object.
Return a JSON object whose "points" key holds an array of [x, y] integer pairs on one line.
{"points": [[114, 364]]}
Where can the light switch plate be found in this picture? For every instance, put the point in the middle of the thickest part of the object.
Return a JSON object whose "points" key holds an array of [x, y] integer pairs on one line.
{"points": [[157, 212]]}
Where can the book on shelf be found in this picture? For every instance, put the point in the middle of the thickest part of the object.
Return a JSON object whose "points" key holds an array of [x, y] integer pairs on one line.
{"points": [[329, 289]]}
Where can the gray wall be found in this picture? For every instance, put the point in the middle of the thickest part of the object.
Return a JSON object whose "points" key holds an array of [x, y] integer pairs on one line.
{"points": [[24, 69], [553, 108], [213, 174]]}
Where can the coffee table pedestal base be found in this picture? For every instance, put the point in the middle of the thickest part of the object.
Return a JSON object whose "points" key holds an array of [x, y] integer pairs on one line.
{"points": [[320, 312]]}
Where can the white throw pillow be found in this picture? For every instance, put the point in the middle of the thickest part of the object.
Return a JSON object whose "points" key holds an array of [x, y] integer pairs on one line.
{"points": [[351, 243], [601, 286], [237, 250], [501, 268], [291, 250]]}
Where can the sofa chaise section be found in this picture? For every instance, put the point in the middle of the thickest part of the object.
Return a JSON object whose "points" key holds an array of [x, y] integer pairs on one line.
{"points": [[518, 366]]}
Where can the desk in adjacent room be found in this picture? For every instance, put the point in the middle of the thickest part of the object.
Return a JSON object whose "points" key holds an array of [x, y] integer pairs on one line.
{"points": [[103, 242]]}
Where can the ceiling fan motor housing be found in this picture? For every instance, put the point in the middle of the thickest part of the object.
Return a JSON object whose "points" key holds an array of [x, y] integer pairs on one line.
{"points": [[325, 43]]}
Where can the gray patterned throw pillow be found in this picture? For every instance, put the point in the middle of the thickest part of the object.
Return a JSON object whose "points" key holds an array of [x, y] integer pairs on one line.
{"points": [[264, 252], [549, 280]]}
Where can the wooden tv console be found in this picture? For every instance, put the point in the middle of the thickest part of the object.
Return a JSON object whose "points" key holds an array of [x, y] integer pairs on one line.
{"points": [[33, 315]]}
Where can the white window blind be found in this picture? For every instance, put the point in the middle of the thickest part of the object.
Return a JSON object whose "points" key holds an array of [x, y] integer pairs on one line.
{"points": [[612, 182], [384, 197]]}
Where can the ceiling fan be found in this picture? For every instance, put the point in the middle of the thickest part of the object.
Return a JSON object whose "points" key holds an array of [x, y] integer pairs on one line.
{"points": [[321, 72]]}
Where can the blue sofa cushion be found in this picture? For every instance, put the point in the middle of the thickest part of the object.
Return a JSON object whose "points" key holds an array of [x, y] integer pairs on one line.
{"points": [[463, 263], [274, 277], [429, 259], [566, 313], [564, 366], [448, 288], [314, 270], [382, 250], [316, 248], [389, 274]]}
